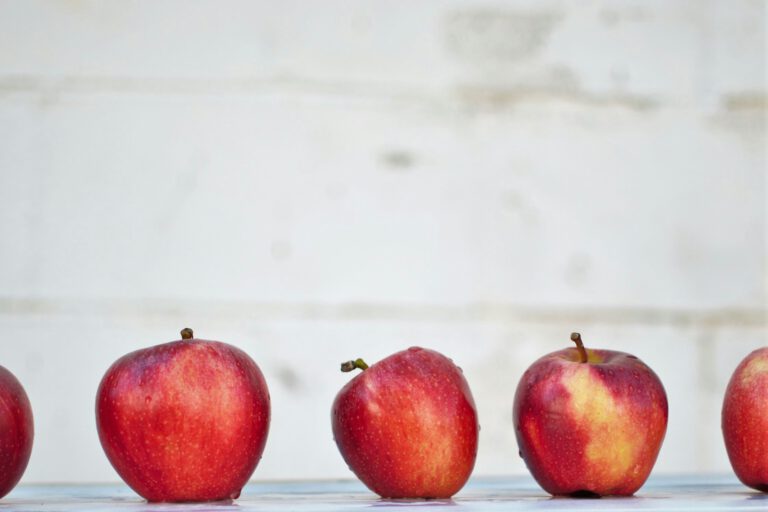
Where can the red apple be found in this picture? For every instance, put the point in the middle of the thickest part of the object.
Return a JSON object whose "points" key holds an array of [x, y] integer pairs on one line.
{"points": [[407, 426], [745, 420], [590, 422], [185, 420], [16, 431]]}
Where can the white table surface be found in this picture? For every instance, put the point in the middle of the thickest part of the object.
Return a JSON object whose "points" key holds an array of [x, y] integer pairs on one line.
{"points": [[661, 493]]}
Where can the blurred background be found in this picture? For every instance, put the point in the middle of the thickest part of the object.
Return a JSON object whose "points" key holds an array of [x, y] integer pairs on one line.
{"points": [[317, 181]]}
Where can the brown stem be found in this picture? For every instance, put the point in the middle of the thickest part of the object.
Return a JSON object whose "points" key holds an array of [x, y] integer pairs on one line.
{"points": [[187, 334], [576, 338], [354, 365]]}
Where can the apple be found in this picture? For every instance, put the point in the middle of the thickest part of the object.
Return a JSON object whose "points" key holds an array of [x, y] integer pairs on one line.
{"points": [[590, 422], [16, 431], [184, 421], [407, 426], [745, 420]]}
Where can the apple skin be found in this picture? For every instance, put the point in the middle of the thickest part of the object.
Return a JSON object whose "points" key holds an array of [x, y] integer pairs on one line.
{"points": [[745, 420], [184, 421], [592, 428], [407, 426], [16, 431]]}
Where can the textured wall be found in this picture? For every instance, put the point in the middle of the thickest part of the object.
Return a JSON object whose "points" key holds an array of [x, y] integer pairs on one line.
{"points": [[316, 181]]}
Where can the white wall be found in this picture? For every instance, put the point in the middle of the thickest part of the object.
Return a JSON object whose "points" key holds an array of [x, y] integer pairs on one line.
{"points": [[318, 181]]}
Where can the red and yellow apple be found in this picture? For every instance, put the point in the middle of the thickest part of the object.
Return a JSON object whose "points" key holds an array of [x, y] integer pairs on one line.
{"points": [[185, 420], [407, 426], [745, 420], [590, 422], [16, 431]]}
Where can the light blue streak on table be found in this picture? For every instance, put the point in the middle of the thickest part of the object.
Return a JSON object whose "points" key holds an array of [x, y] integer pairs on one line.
{"points": [[662, 493]]}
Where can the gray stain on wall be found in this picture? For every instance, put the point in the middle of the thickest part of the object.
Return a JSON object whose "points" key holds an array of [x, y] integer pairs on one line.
{"points": [[398, 160], [474, 35]]}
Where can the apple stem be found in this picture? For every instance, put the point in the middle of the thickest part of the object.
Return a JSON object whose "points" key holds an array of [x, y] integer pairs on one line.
{"points": [[576, 338], [354, 365], [187, 334]]}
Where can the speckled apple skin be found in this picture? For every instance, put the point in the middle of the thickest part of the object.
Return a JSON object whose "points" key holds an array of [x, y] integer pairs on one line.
{"points": [[745, 420], [593, 427], [184, 421], [407, 426], [16, 431]]}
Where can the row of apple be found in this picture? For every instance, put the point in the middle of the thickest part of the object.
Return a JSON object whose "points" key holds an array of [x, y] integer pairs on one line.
{"points": [[188, 421]]}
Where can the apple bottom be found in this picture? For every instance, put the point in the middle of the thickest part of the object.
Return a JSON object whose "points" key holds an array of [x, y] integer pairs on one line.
{"points": [[178, 471], [197, 492], [436, 468], [582, 439], [747, 445]]}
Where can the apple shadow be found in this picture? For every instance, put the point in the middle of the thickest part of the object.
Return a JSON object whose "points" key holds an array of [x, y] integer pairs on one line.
{"points": [[586, 495], [420, 502], [196, 506]]}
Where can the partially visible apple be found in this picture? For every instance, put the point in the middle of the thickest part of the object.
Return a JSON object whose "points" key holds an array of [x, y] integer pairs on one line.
{"points": [[16, 431], [407, 426], [590, 422], [185, 420], [745, 420]]}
